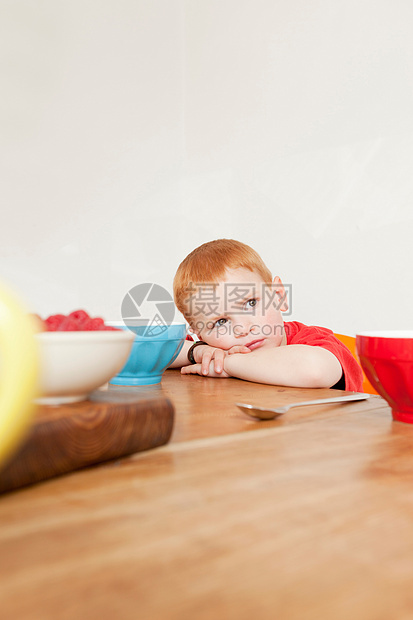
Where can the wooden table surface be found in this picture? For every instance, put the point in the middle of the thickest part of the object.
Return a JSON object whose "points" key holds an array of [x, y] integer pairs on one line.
{"points": [[306, 517], [206, 407]]}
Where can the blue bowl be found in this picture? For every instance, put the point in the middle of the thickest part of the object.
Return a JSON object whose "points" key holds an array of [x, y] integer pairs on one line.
{"points": [[150, 355]]}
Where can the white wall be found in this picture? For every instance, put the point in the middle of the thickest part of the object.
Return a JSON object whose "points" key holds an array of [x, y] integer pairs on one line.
{"points": [[133, 130]]}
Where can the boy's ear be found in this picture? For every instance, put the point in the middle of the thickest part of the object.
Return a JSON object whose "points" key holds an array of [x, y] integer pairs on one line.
{"points": [[278, 286]]}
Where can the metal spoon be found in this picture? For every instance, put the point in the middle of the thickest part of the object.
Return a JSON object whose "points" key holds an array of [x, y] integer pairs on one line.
{"points": [[269, 414]]}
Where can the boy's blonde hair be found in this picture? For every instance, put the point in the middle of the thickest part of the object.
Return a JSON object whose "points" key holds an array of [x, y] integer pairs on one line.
{"points": [[208, 263]]}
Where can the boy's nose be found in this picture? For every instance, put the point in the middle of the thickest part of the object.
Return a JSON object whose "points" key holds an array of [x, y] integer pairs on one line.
{"points": [[242, 329]]}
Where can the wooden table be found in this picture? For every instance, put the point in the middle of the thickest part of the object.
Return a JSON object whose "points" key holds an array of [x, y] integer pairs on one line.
{"points": [[309, 516]]}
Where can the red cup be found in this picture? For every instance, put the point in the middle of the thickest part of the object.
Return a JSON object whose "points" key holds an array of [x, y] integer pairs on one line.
{"points": [[387, 360]]}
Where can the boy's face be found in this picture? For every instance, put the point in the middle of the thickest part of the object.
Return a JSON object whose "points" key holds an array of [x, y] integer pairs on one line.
{"points": [[240, 310]]}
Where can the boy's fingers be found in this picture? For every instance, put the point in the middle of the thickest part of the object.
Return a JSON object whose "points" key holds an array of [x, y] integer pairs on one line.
{"points": [[239, 349], [194, 369], [199, 353], [245, 350], [219, 355], [206, 359]]}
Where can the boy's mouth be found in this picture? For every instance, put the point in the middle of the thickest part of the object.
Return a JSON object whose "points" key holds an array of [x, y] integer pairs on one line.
{"points": [[255, 344]]}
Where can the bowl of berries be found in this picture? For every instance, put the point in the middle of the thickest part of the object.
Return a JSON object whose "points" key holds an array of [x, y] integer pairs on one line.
{"points": [[78, 354]]}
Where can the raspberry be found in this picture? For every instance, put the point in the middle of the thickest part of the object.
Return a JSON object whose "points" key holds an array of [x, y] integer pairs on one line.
{"points": [[97, 324], [79, 315], [54, 321], [76, 321], [68, 325]]}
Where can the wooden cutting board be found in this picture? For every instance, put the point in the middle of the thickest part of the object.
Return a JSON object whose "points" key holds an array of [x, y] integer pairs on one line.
{"points": [[67, 437]]}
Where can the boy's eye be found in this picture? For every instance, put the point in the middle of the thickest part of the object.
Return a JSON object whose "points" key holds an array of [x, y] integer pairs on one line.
{"points": [[220, 322], [251, 303]]}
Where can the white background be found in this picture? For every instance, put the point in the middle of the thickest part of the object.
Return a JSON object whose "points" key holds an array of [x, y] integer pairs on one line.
{"points": [[134, 130]]}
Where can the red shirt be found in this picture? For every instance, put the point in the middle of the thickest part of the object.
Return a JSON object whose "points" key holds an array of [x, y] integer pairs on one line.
{"points": [[298, 333]]}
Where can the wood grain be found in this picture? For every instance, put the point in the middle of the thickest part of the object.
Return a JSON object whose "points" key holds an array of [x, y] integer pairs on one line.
{"points": [[298, 522], [307, 517], [64, 438], [206, 407]]}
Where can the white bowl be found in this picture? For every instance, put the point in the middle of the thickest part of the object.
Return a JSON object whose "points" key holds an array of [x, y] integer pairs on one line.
{"points": [[73, 364]]}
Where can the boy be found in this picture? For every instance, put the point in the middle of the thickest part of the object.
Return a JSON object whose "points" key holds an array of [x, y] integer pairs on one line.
{"points": [[228, 296]]}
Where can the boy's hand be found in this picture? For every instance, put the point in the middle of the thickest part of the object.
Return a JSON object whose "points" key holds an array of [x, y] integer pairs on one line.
{"points": [[210, 360], [196, 369]]}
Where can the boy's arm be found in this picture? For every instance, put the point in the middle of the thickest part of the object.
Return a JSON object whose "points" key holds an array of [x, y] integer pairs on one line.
{"points": [[182, 358], [296, 365]]}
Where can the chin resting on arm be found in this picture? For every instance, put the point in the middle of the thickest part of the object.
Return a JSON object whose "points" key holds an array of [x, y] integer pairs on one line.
{"points": [[296, 365]]}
